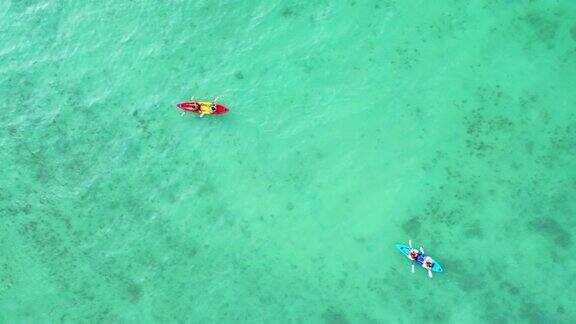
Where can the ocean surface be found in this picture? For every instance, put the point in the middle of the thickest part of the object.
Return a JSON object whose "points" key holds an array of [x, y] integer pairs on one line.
{"points": [[353, 126]]}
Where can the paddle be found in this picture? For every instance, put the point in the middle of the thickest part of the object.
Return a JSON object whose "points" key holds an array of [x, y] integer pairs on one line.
{"points": [[429, 271], [410, 244]]}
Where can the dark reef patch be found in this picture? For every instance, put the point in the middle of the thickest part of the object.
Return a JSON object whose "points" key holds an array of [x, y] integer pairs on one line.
{"points": [[533, 314], [289, 12], [543, 26], [550, 227], [412, 226], [333, 316], [473, 231], [134, 292], [470, 283]]}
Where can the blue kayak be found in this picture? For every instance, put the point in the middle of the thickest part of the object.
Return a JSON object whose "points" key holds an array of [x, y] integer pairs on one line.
{"points": [[405, 249]]}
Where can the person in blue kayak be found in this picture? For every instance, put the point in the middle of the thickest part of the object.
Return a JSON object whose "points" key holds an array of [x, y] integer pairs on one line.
{"points": [[428, 263], [413, 254]]}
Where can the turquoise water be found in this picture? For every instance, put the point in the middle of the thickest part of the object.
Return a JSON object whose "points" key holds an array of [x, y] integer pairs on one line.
{"points": [[354, 126]]}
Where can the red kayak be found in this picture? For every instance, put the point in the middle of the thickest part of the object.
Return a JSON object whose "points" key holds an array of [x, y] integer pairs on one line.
{"points": [[202, 107]]}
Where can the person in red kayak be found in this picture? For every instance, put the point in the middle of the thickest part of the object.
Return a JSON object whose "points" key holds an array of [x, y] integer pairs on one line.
{"points": [[213, 104], [195, 106]]}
